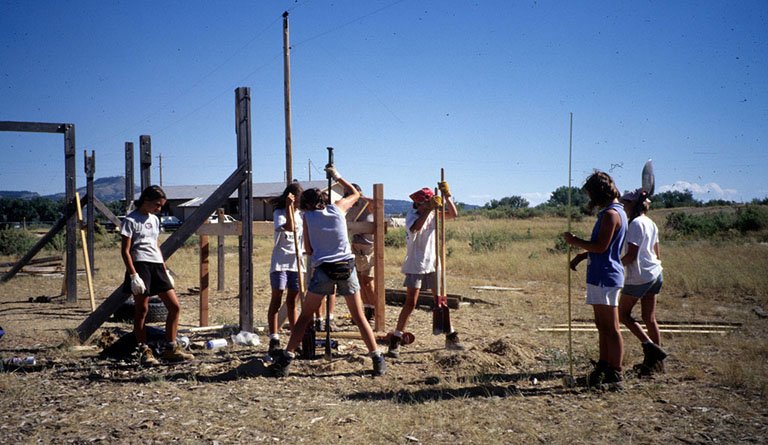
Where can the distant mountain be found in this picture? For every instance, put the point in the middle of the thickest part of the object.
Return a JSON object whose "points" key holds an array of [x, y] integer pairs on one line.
{"points": [[107, 189], [401, 206], [18, 195]]}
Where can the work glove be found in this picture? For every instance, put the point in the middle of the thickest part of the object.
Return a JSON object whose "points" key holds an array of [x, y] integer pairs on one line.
{"points": [[331, 171], [137, 285], [443, 186], [170, 278], [435, 202]]}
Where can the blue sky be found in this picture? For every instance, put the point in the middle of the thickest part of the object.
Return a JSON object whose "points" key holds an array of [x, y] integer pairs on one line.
{"points": [[400, 89]]}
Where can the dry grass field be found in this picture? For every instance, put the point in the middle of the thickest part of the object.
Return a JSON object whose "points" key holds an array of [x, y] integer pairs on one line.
{"points": [[506, 388]]}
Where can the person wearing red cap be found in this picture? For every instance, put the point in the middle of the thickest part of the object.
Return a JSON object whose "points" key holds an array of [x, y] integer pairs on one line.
{"points": [[420, 259]]}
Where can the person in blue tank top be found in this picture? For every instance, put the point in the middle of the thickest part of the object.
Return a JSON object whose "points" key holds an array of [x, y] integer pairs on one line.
{"points": [[605, 273], [327, 243]]}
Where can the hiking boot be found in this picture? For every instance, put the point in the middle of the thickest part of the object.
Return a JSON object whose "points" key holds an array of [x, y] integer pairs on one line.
{"points": [[613, 380], [652, 355], [279, 367], [379, 365], [370, 314], [146, 357], [452, 342], [176, 354], [596, 377], [394, 346], [274, 345]]}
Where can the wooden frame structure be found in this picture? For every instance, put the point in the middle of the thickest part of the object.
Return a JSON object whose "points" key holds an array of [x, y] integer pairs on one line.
{"points": [[68, 219], [239, 179]]}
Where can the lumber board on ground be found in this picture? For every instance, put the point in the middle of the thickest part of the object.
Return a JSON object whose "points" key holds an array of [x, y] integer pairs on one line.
{"points": [[671, 331], [397, 296]]}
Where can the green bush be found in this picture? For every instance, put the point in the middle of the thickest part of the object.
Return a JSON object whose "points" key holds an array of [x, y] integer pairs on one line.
{"points": [[703, 225], [395, 237], [16, 241], [751, 219], [58, 243], [488, 241]]}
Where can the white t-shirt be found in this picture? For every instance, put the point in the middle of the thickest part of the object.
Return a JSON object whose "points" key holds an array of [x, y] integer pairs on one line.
{"points": [[420, 245], [284, 249], [644, 234], [143, 231]]}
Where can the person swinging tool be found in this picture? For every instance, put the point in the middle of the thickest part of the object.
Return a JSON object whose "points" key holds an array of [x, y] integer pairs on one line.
{"points": [[419, 266], [326, 242]]}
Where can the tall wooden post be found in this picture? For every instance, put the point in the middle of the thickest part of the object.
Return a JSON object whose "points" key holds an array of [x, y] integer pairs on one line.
{"points": [[90, 169], [129, 185], [145, 147], [204, 274], [378, 255], [220, 255], [287, 96], [70, 186], [245, 196]]}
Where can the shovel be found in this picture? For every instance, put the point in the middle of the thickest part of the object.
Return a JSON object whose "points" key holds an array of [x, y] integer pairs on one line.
{"points": [[441, 317]]}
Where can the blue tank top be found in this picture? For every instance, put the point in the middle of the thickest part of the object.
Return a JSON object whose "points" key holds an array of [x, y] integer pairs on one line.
{"points": [[605, 269], [327, 231]]}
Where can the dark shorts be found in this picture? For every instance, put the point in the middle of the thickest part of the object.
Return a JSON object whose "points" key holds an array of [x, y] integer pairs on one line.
{"points": [[154, 276], [652, 287], [284, 279], [422, 281]]}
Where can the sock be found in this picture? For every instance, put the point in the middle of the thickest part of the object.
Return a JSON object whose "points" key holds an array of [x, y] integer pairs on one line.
{"points": [[274, 336], [369, 306], [375, 353], [289, 354], [398, 333]]}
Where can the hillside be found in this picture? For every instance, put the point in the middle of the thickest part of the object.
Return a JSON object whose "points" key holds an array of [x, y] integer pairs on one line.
{"points": [[107, 189]]}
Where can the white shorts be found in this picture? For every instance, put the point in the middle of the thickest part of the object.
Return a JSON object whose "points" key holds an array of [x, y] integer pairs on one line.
{"points": [[608, 296]]}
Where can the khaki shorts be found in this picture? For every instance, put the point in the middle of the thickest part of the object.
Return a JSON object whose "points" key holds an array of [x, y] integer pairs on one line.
{"points": [[363, 260]]}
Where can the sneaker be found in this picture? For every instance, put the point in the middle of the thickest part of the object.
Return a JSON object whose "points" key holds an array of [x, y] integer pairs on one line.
{"points": [[176, 354], [394, 346], [370, 314], [279, 367], [652, 355], [452, 342], [379, 365], [274, 345], [146, 357]]}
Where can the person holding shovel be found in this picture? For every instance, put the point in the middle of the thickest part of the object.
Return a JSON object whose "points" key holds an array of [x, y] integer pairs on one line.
{"points": [[147, 275], [605, 274], [643, 280], [326, 241], [419, 266], [284, 265]]}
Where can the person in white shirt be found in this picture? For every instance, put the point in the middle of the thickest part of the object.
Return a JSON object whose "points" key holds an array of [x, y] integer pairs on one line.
{"points": [[643, 279], [284, 264], [420, 262]]}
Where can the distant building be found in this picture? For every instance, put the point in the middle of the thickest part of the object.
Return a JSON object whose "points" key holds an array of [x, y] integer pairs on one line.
{"points": [[183, 200]]}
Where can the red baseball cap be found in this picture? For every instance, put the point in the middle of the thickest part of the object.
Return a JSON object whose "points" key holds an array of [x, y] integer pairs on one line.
{"points": [[422, 195]]}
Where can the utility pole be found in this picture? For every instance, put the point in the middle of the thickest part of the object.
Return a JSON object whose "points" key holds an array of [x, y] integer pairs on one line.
{"points": [[287, 94], [160, 165], [309, 169]]}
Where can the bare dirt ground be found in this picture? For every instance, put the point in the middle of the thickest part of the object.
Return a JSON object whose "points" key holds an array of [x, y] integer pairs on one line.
{"points": [[506, 388]]}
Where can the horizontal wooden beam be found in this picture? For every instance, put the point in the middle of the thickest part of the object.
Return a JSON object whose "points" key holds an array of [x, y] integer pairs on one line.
{"points": [[361, 227], [221, 229], [33, 127]]}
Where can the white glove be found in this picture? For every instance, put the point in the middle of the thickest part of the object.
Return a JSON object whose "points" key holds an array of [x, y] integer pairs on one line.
{"points": [[170, 278], [332, 172], [137, 285]]}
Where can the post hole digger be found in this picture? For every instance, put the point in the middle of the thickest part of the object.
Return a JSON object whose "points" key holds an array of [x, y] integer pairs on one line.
{"points": [[327, 244]]}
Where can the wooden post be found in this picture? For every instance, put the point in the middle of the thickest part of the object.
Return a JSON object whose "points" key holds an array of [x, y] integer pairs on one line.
{"points": [[245, 196], [203, 280], [70, 188], [220, 255], [145, 156], [378, 255], [287, 99], [129, 186], [90, 169]]}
